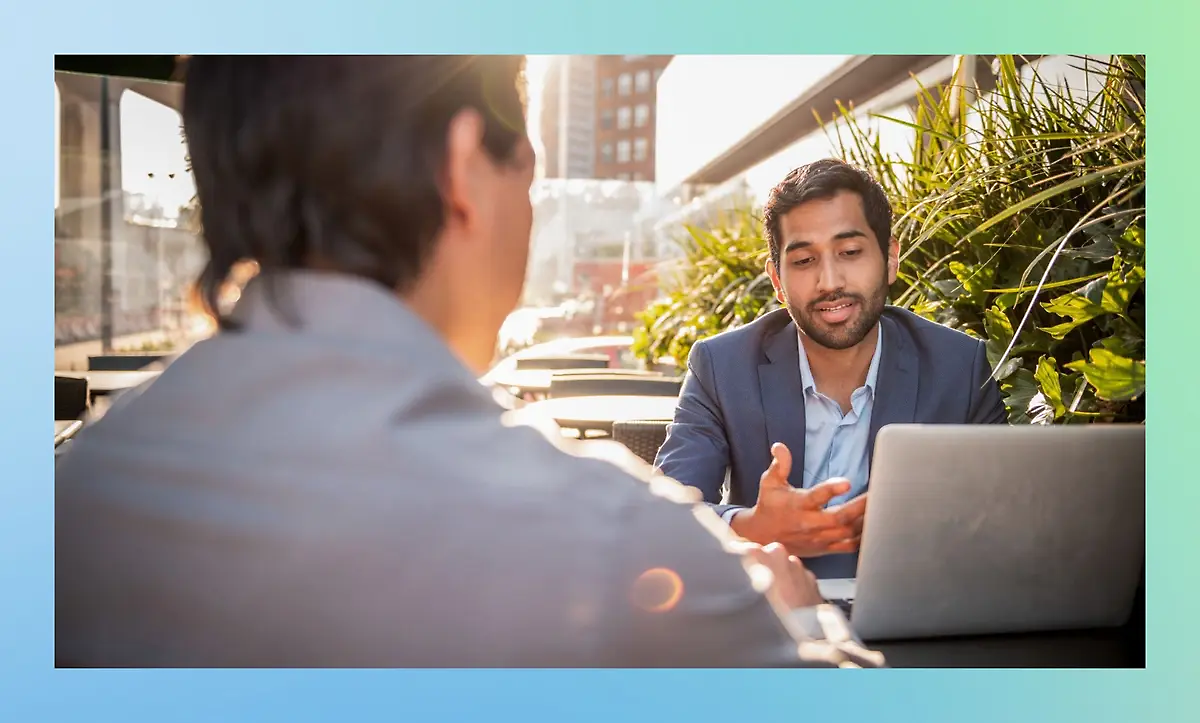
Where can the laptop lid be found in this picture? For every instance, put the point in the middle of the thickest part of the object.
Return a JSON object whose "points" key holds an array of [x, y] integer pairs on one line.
{"points": [[976, 529]]}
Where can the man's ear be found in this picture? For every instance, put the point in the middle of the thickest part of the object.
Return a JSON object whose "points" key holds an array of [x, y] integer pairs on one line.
{"points": [[461, 175], [893, 260], [773, 273]]}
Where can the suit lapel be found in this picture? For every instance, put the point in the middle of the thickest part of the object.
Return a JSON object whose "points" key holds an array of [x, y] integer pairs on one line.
{"points": [[783, 400], [896, 385]]}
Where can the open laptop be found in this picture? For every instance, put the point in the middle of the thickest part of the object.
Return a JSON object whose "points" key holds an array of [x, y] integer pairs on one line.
{"points": [[979, 529]]}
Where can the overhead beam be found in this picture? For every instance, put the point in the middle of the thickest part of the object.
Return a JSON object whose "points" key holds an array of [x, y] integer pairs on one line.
{"points": [[857, 80]]}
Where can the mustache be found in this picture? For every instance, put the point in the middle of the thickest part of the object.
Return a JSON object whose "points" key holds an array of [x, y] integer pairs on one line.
{"points": [[830, 298]]}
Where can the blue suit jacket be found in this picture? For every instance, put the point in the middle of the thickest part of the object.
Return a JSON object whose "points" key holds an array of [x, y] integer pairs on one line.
{"points": [[928, 374]]}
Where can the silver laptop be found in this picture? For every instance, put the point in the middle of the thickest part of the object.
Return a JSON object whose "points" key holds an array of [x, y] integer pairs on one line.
{"points": [[979, 529]]}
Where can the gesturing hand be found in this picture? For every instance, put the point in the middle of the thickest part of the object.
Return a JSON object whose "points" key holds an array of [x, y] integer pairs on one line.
{"points": [[797, 518]]}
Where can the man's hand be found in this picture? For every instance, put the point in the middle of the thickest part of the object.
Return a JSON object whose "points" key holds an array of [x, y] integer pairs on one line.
{"points": [[792, 584], [796, 517]]}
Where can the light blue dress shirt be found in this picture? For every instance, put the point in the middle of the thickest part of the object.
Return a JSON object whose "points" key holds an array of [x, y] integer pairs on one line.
{"points": [[836, 443]]}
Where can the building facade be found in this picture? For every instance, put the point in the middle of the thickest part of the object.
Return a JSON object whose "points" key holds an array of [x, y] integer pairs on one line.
{"points": [[568, 117], [626, 115]]}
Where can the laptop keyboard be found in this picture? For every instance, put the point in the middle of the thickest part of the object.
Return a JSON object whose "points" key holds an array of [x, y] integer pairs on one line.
{"points": [[844, 605]]}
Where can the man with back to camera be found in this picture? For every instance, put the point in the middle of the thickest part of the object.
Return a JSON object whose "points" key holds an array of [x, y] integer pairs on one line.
{"points": [[803, 391], [324, 483]]}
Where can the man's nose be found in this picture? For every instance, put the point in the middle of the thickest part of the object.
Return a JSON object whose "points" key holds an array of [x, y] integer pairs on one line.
{"points": [[830, 278]]}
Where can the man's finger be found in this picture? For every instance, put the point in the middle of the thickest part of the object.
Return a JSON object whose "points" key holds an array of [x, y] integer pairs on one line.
{"points": [[818, 496], [831, 535], [848, 545], [852, 511], [780, 468]]}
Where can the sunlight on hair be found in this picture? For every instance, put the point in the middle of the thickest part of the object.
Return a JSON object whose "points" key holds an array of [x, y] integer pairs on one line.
{"points": [[496, 89]]}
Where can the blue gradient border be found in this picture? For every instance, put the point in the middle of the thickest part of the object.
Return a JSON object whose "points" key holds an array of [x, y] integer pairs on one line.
{"points": [[30, 689]]}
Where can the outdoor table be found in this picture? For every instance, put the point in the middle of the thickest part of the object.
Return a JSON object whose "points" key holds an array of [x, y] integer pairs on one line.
{"points": [[64, 429], [525, 381], [598, 413], [102, 383]]}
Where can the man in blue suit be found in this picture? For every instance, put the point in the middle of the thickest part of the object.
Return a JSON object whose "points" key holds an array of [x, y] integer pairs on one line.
{"points": [[786, 409]]}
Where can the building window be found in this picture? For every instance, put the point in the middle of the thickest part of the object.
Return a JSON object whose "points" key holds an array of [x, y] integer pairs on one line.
{"points": [[641, 148], [624, 84], [623, 152], [643, 81], [641, 115], [623, 118], [638, 177], [606, 87], [606, 119], [606, 153]]}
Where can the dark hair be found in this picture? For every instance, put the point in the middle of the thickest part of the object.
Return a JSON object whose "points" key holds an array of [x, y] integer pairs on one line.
{"points": [[334, 160], [822, 180]]}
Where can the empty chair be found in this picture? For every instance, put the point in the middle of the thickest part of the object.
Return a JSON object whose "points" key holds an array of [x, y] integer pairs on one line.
{"points": [[642, 437], [565, 361], [581, 385], [72, 399]]}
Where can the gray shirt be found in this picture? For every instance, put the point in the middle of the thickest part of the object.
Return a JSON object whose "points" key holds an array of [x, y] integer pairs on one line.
{"points": [[345, 493]]}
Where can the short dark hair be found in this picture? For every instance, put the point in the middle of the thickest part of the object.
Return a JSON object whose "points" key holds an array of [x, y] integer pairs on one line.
{"points": [[334, 158], [822, 180]]}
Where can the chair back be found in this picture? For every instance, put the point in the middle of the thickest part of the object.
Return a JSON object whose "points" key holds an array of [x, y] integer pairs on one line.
{"points": [[643, 438], [72, 399], [125, 362]]}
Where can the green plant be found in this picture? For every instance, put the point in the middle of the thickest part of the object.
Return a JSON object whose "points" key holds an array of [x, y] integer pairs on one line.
{"points": [[721, 283], [1021, 219], [148, 346]]}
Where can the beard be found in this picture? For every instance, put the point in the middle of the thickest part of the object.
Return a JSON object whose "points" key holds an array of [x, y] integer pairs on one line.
{"points": [[844, 334]]}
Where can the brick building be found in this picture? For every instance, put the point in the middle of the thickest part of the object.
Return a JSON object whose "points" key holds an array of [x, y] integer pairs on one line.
{"points": [[625, 112], [598, 115]]}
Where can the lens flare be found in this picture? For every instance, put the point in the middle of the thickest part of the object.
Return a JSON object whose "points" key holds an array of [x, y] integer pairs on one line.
{"points": [[657, 590]]}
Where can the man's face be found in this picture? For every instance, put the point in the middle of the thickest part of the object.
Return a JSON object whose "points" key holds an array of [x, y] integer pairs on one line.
{"points": [[832, 275]]}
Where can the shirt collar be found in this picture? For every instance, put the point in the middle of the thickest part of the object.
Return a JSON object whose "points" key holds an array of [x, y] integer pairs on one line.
{"points": [[344, 310], [806, 376]]}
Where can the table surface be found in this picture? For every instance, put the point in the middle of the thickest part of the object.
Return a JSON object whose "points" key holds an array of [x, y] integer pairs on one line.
{"points": [[604, 410], [101, 382], [1112, 648], [527, 380]]}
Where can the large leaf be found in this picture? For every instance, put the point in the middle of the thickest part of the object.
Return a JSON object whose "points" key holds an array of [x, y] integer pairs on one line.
{"points": [[1047, 379], [1120, 290], [1019, 390], [1079, 308], [1115, 378]]}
